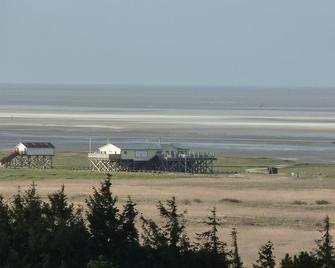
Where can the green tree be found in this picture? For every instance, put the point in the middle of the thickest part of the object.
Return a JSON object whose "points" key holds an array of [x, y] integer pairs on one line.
{"points": [[266, 258], [212, 251], [305, 259], [29, 228], [104, 221], [325, 249], [101, 263], [174, 226], [166, 246], [287, 262], [236, 261], [69, 237], [5, 232], [128, 220]]}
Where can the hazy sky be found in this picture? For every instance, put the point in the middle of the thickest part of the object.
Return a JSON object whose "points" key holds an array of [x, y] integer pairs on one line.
{"points": [[174, 42]]}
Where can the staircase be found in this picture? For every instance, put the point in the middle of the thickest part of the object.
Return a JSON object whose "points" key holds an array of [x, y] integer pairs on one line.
{"points": [[7, 159]]}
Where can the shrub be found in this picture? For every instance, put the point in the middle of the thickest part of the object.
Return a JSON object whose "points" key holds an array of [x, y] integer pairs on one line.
{"points": [[298, 202], [322, 202], [230, 200]]}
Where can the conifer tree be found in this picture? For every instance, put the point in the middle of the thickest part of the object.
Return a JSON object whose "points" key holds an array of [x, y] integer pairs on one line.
{"points": [[305, 259], [175, 226], [153, 236], [212, 251], [128, 220], [325, 250], [30, 233], [266, 258], [5, 232], [69, 237], [19, 232], [104, 221], [287, 262], [236, 259]]}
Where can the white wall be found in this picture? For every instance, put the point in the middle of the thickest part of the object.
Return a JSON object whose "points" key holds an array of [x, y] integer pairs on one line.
{"points": [[109, 149]]}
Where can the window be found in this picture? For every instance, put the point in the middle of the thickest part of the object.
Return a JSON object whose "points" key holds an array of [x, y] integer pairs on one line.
{"points": [[125, 152]]}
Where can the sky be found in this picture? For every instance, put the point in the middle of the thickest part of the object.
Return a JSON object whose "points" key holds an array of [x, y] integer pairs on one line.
{"points": [[283, 43]]}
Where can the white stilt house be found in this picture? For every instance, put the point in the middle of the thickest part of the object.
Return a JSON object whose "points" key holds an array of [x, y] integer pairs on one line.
{"points": [[30, 155], [149, 157]]}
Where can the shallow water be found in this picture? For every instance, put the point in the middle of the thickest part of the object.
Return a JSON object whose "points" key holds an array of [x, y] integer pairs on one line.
{"points": [[282, 123]]}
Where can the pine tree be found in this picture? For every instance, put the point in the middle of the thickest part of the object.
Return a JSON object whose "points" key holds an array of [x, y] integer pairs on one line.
{"points": [[265, 257], [69, 237], [236, 259], [128, 220], [212, 251], [30, 233], [104, 221], [325, 249], [175, 226], [5, 233], [287, 262], [305, 259], [153, 236], [166, 246]]}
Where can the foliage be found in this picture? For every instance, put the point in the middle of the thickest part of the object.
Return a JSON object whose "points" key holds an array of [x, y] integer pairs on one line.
{"points": [[265, 257], [236, 261], [324, 252]]}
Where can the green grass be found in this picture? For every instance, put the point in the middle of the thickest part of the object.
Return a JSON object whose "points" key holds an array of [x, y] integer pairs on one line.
{"points": [[75, 166], [239, 165], [311, 170]]}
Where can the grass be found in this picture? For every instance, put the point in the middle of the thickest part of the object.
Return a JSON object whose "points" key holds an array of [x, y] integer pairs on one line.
{"points": [[312, 170], [239, 165], [75, 166]]}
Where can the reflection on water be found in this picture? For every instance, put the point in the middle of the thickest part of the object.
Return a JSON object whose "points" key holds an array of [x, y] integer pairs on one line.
{"points": [[291, 123]]}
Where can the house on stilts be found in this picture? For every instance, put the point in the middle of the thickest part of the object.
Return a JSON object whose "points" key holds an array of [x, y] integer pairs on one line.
{"points": [[30, 155], [150, 157]]}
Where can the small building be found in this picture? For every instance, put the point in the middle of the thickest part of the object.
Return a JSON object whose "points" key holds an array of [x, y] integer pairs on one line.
{"points": [[30, 155], [273, 170], [35, 148]]}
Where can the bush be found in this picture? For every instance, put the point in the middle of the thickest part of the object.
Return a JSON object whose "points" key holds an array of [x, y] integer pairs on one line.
{"points": [[298, 202], [230, 200], [322, 202]]}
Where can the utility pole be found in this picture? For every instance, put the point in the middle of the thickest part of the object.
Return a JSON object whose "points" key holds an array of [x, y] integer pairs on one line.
{"points": [[185, 164], [90, 146]]}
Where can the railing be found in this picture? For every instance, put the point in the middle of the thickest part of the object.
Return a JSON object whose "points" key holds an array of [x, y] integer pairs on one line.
{"points": [[104, 156], [189, 155]]}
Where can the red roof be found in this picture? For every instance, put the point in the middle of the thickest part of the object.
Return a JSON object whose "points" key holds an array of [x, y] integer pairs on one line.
{"points": [[38, 145]]}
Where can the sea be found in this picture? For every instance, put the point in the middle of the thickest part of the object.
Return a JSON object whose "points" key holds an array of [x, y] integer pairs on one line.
{"points": [[283, 123]]}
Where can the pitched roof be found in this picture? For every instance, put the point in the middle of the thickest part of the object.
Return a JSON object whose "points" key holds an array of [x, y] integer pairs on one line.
{"points": [[176, 146], [139, 146], [38, 145]]}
